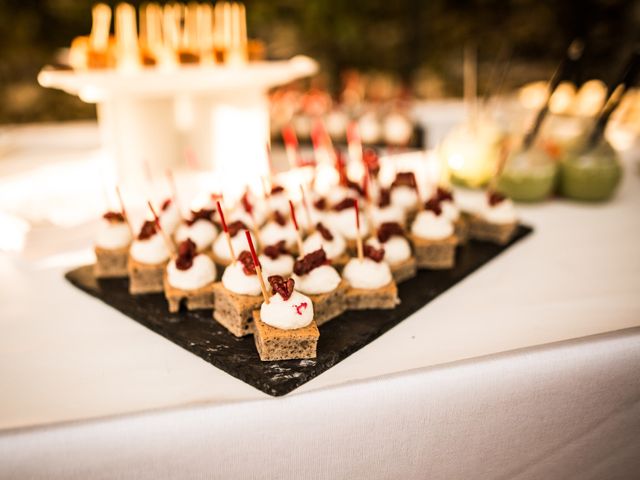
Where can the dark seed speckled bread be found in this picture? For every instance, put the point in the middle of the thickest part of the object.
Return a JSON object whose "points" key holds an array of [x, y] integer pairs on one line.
{"points": [[278, 344], [111, 263], [198, 299], [233, 311], [145, 278], [480, 229], [384, 298], [434, 254]]}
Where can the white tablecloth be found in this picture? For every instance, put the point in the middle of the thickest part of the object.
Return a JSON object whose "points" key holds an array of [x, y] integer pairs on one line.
{"points": [[87, 393]]}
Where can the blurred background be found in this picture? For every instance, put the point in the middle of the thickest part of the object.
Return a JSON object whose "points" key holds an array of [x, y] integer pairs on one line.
{"points": [[414, 45]]}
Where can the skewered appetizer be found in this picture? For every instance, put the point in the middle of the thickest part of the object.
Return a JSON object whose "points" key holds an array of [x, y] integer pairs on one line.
{"points": [[276, 260], [199, 228], [433, 237], [495, 220], [148, 257], [189, 279], [397, 250], [112, 246], [333, 244], [371, 284]]}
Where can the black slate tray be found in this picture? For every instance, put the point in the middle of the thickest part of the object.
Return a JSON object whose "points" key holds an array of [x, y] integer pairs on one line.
{"points": [[199, 334]]}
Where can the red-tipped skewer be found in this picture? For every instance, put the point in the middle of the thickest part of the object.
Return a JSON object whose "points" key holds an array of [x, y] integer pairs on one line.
{"points": [[354, 144], [256, 263], [305, 204], [174, 189], [124, 211], [291, 145], [226, 232], [358, 235], [167, 241], [295, 224]]}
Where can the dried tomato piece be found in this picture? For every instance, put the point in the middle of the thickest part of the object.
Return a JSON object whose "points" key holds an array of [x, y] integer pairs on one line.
{"points": [[375, 254], [235, 227], [320, 204], [148, 230], [405, 179], [388, 230], [166, 204], [371, 160], [282, 286], [277, 189], [202, 214], [444, 195], [246, 203], [248, 267], [324, 231], [279, 218], [494, 198], [433, 205], [310, 261], [385, 198], [344, 204], [186, 253], [115, 217], [275, 250]]}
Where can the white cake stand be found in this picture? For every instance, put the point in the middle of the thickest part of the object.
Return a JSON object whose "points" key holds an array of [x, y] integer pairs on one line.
{"points": [[218, 115]]}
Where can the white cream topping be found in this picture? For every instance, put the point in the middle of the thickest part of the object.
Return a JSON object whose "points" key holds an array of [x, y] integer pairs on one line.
{"points": [[170, 218], [282, 265], [339, 193], [296, 312], [202, 233], [345, 222], [390, 213], [278, 201], [273, 232], [450, 210], [235, 280], [333, 248], [431, 226], [239, 213], [367, 274], [113, 235], [396, 249], [404, 197], [501, 213], [201, 273], [239, 243], [151, 250], [322, 279]]}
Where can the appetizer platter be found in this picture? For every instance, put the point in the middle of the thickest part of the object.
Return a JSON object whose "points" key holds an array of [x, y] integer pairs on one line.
{"points": [[275, 288]]}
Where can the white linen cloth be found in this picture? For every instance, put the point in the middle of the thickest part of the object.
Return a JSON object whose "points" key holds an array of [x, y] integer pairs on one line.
{"points": [[86, 392]]}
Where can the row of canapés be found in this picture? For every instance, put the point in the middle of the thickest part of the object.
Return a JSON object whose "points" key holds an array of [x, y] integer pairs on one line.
{"points": [[313, 260]]}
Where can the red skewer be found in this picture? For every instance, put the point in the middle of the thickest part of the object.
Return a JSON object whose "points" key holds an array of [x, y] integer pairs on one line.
{"points": [[232, 254], [256, 263], [295, 224], [358, 236], [165, 237], [123, 211]]}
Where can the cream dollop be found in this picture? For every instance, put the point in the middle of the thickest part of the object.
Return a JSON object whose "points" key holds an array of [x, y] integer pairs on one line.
{"points": [[201, 273], [235, 280], [113, 235], [170, 218], [396, 249], [390, 213], [333, 248], [296, 312], [404, 197], [239, 243], [431, 226], [273, 232], [279, 202], [239, 213], [367, 274], [282, 265], [151, 250], [501, 213], [345, 222], [322, 279], [202, 233], [450, 210]]}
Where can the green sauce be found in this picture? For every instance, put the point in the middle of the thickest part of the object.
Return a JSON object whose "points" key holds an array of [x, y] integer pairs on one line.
{"points": [[592, 175]]}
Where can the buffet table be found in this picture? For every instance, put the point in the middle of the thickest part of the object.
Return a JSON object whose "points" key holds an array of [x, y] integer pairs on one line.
{"points": [[526, 369]]}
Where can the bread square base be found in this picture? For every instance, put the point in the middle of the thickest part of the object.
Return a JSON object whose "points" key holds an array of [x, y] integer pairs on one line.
{"points": [[111, 263], [461, 226], [233, 311], [198, 299], [480, 229], [278, 344], [145, 278], [435, 254], [384, 298], [327, 306], [403, 271]]}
